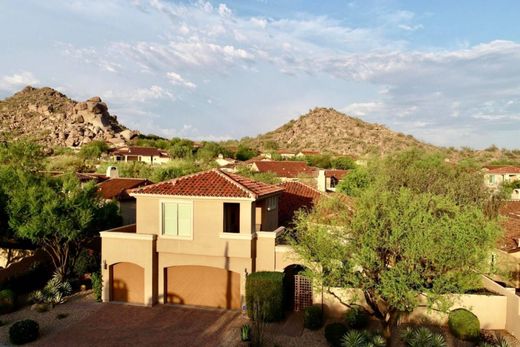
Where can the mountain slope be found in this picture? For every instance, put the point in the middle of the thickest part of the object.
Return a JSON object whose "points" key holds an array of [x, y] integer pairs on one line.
{"points": [[328, 130], [52, 119]]}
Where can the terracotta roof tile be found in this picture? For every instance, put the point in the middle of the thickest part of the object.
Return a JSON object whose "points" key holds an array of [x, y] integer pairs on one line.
{"points": [[296, 196], [504, 170], [336, 173], [116, 188], [285, 168], [213, 183]]}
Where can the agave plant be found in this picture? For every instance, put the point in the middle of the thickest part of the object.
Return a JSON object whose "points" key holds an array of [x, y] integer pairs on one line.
{"points": [[422, 337], [501, 342], [54, 291], [361, 338]]}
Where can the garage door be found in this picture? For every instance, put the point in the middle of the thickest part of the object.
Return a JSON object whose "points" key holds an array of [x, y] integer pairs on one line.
{"points": [[202, 286], [127, 283]]}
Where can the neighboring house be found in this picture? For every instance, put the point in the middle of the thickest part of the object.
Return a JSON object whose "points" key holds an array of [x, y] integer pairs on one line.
{"points": [[287, 170], [328, 179], [296, 196], [494, 176], [286, 154], [225, 162], [116, 189], [306, 153], [149, 155], [195, 240]]}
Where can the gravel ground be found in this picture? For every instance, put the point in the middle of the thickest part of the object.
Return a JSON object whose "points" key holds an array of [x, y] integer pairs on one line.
{"points": [[77, 307]]}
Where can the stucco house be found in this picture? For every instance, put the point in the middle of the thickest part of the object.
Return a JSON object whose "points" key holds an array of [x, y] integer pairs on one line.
{"points": [[149, 155], [286, 170], [328, 179], [195, 240], [116, 189]]}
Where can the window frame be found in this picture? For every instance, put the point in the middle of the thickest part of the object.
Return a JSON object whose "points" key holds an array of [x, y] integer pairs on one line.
{"points": [[161, 219], [224, 218]]}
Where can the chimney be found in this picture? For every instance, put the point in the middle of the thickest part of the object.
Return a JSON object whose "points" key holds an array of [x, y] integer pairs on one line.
{"points": [[112, 172], [322, 181]]}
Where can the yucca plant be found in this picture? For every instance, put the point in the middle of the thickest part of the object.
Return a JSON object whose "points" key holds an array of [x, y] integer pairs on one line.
{"points": [[422, 337], [54, 292], [501, 342]]}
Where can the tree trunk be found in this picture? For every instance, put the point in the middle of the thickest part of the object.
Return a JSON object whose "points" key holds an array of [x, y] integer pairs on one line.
{"points": [[390, 325]]}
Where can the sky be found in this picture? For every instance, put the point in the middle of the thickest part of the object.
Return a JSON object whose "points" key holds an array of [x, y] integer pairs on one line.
{"points": [[447, 72]]}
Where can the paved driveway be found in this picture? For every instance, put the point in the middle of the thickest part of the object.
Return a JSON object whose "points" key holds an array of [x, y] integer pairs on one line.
{"points": [[161, 325]]}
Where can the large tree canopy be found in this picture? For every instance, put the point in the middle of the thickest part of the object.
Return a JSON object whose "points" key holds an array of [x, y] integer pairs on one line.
{"points": [[420, 228], [60, 215]]}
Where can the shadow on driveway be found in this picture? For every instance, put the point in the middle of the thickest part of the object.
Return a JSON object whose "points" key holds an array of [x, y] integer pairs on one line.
{"points": [[161, 325]]}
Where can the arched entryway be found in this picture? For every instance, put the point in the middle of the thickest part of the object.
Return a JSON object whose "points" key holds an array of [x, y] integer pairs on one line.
{"points": [[202, 286], [127, 283], [297, 288]]}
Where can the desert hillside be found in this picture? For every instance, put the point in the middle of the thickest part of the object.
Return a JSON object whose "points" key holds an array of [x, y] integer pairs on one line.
{"points": [[52, 119], [328, 130]]}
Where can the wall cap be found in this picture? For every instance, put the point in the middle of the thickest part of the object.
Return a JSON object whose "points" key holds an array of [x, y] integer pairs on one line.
{"points": [[128, 236]]}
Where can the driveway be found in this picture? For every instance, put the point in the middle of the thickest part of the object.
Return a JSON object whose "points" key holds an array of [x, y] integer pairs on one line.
{"points": [[161, 325]]}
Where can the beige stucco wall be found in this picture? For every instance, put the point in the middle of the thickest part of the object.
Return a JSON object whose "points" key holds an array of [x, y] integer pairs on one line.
{"points": [[138, 249]]}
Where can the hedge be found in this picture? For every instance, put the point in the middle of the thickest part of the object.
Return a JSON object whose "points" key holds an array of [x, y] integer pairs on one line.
{"points": [[313, 317], [464, 324], [264, 296]]}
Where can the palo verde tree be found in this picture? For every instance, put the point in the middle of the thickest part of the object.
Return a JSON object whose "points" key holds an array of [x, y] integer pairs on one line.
{"points": [[59, 215], [419, 229]]}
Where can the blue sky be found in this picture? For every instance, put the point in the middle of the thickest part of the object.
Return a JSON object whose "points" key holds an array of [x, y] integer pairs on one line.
{"points": [[447, 72]]}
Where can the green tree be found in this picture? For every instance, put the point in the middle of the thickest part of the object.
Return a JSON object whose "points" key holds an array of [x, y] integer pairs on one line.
{"points": [[22, 155], [405, 240], [343, 163], [59, 215], [245, 153], [355, 182], [93, 150]]}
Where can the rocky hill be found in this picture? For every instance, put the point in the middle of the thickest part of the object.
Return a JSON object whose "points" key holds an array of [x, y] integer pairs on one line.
{"points": [[52, 119], [327, 130]]}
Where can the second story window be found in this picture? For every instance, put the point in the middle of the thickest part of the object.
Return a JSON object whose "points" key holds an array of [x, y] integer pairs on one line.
{"points": [[231, 218], [272, 203], [177, 219]]}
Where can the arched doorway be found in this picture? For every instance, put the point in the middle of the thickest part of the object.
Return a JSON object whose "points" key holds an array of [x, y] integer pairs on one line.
{"points": [[202, 286], [297, 288], [127, 283]]}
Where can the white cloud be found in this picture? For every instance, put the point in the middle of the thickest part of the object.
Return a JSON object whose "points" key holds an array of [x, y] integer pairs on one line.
{"points": [[17, 81], [224, 11], [177, 79], [138, 95]]}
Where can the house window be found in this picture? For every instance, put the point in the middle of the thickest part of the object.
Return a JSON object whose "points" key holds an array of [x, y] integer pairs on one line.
{"points": [[231, 218], [491, 179], [177, 219], [272, 203]]}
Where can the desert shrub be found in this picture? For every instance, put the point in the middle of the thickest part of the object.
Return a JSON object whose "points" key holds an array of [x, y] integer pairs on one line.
{"points": [[97, 285], [357, 318], [54, 291], [87, 262], [265, 289], [362, 338], [7, 301], [422, 337], [23, 331], [313, 317], [464, 324], [334, 332]]}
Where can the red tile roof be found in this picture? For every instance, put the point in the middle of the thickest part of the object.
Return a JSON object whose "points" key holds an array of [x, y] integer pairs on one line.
{"points": [[511, 224], [116, 188], [212, 183], [309, 152], [335, 173], [296, 196], [285, 168], [142, 151], [504, 170], [285, 151]]}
